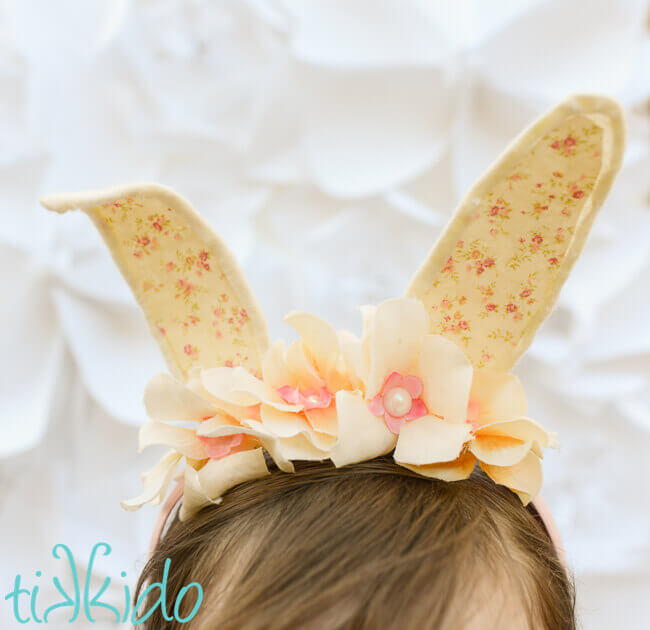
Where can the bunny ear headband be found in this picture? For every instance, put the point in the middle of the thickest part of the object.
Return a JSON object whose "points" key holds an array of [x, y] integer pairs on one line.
{"points": [[429, 378]]}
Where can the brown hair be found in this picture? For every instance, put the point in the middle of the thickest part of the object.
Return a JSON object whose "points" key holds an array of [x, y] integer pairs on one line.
{"points": [[367, 546]]}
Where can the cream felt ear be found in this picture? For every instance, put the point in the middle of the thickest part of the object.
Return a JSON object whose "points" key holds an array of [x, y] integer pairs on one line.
{"points": [[194, 295], [498, 267]]}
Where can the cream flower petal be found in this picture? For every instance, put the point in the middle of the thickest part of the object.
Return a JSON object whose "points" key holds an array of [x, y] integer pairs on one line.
{"points": [[301, 367], [215, 428], [361, 435], [238, 386], [340, 377], [323, 420], [182, 440], [430, 440], [275, 369], [319, 337], [195, 384], [499, 450], [321, 441], [524, 478], [194, 497], [283, 423], [270, 442], [354, 358], [290, 425], [456, 470], [208, 484], [155, 482], [446, 374], [296, 448], [499, 395], [167, 399], [396, 333], [523, 429]]}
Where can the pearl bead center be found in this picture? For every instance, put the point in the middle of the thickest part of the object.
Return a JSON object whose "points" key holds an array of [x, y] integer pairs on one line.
{"points": [[397, 402]]}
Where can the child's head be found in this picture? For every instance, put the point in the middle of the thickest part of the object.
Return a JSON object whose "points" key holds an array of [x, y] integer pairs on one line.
{"points": [[367, 546]]}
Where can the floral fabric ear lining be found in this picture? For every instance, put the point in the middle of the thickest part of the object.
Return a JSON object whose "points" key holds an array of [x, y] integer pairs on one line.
{"points": [[428, 379]]}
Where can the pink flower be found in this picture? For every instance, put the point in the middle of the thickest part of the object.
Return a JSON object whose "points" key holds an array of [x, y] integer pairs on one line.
{"points": [[309, 399], [525, 293], [511, 308], [398, 401], [218, 447], [553, 261], [490, 307], [578, 194], [488, 262], [569, 141]]}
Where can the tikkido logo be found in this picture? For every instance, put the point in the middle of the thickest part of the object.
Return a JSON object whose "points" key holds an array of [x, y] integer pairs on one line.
{"points": [[82, 603]]}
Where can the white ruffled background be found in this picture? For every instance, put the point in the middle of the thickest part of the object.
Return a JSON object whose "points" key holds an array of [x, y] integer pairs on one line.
{"points": [[328, 141]]}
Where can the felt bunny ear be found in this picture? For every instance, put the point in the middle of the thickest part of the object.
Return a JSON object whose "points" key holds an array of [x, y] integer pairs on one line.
{"points": [[497, 269], [193, 294]]}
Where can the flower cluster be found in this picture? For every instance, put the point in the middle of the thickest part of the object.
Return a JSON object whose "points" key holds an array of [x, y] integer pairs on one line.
{"points": [[331, 395]]}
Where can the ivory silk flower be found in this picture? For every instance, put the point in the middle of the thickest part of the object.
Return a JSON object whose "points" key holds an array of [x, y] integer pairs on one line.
{"points": [[295, 399], [422, 397], [230, 454], [291, 413]]}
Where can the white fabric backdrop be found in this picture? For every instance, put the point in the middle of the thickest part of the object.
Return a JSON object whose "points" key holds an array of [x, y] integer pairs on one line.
{"points": [[328, 141]]}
